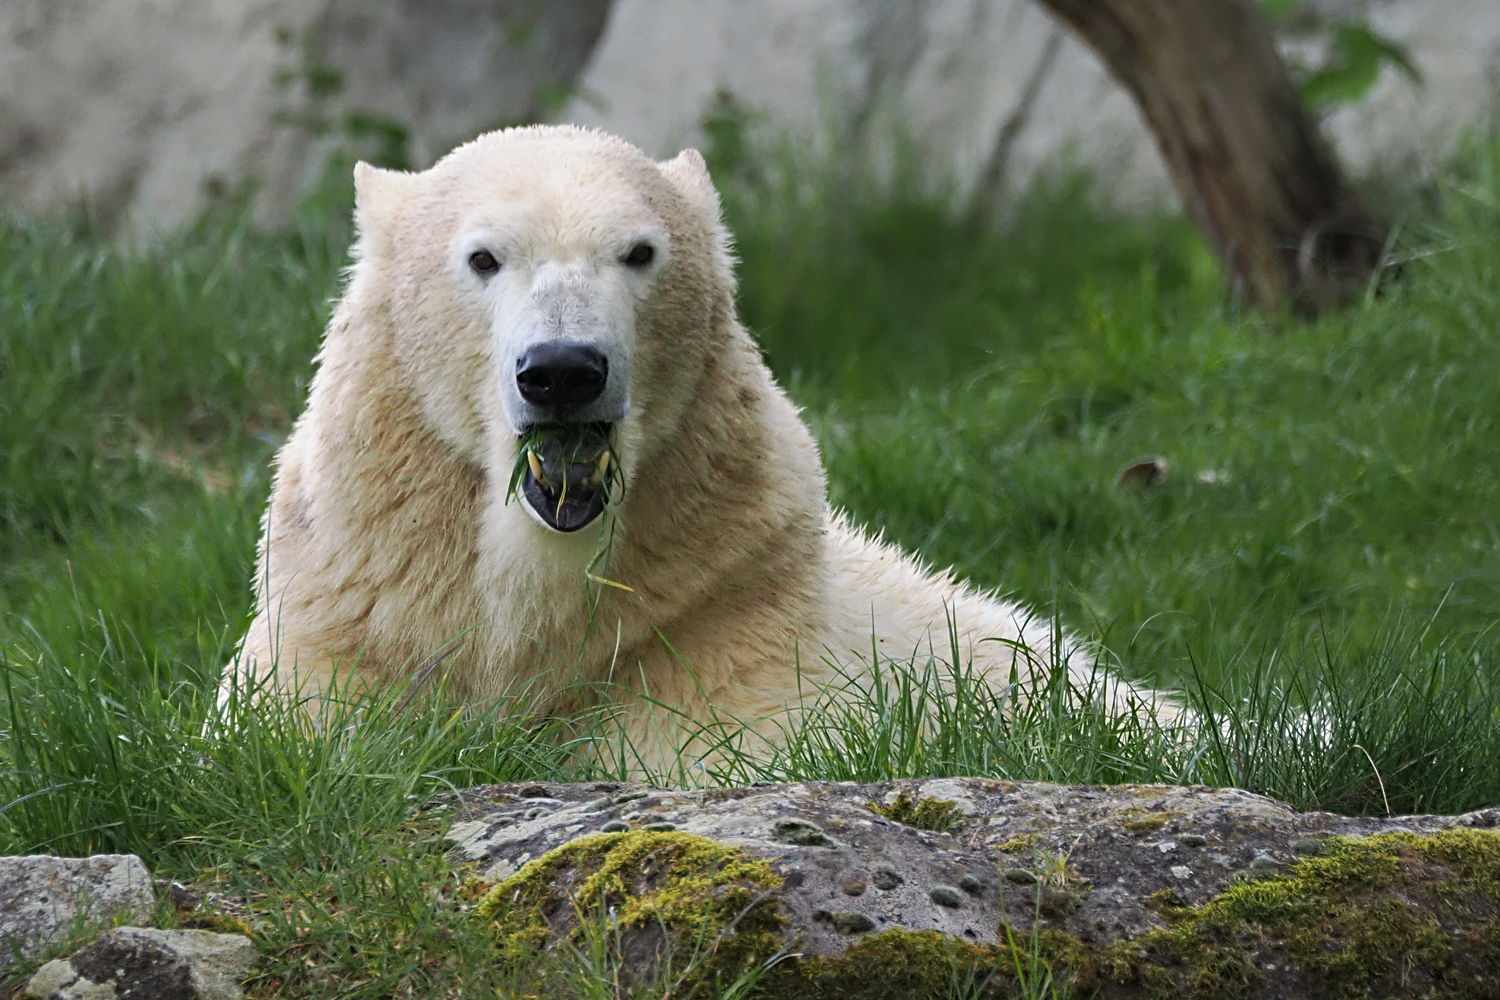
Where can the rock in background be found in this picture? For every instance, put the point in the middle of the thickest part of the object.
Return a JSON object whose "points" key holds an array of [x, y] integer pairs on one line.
{"points": [[150, 109], [883, 890], [41, 896]]}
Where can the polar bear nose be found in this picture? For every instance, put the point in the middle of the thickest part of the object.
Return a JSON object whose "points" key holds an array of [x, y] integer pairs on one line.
{"points": [[561, 376]]}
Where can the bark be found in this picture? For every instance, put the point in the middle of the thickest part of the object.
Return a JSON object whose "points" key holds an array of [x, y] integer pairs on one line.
{"points": [[1250, 165]]}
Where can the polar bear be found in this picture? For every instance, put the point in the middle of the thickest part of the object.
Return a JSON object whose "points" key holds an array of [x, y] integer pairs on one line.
{"points": [[539, 441]]}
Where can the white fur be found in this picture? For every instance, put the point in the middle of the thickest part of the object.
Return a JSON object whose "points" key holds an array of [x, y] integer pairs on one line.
{"points": [[389, 533]]}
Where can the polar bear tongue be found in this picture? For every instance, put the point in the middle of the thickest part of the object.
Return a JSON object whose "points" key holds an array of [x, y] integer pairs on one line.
{"points": [[566, 480]]}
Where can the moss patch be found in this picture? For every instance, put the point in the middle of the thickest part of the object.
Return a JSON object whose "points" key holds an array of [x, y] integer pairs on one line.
{"points": [[891, 966], [906, 965], [1147, 822], [667, 898], [1390, 915], [938, 815], [1021, 844]]}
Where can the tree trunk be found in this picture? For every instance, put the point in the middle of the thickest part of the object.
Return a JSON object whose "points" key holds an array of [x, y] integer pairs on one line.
{"points": [[1248, 162]]}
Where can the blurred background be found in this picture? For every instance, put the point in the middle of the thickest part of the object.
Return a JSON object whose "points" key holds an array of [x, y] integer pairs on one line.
{"points": [[151, 109]]}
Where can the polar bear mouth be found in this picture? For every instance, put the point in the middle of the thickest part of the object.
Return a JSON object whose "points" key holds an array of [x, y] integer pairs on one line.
{"points": [[566, 472]]}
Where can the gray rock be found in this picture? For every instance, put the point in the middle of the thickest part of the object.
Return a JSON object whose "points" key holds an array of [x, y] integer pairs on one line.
{"points": [[1105, 867], [41, 894], [137, 963], [151, 110]]}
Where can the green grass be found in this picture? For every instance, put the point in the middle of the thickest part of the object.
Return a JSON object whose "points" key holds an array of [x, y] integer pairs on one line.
{"points": [[976, 394], [1319, 573]]}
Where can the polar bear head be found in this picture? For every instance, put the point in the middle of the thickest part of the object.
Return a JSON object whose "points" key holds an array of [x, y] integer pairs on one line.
{"points": [[548, 293]]}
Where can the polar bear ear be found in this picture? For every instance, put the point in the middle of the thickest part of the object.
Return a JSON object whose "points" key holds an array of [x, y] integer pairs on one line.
{"points": [[689, 175], [378, 197]]}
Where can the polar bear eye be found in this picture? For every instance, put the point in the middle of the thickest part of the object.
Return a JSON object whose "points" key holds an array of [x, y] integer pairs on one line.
{"points": [[640, 255], [483, 262]]}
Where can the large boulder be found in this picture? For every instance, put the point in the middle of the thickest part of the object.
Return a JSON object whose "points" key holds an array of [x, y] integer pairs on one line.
{"points": [[42, 896], [887, 890]]}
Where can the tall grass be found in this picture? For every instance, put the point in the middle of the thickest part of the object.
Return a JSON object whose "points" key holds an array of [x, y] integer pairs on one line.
{"points": [[1407, 726], [155, 767], [141, 394]]}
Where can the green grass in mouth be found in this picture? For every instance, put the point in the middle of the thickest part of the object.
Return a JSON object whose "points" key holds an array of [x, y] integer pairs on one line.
{"points": [[571, 440]]}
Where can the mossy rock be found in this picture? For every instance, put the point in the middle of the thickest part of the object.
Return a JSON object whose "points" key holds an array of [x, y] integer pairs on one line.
{"points": [[1392, 915], [667, 899], [699, 911], [1343, 907]]}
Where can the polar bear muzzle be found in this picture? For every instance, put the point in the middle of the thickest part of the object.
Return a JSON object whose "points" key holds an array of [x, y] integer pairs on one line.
{"points": [[561, 377], [566, 473]]}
